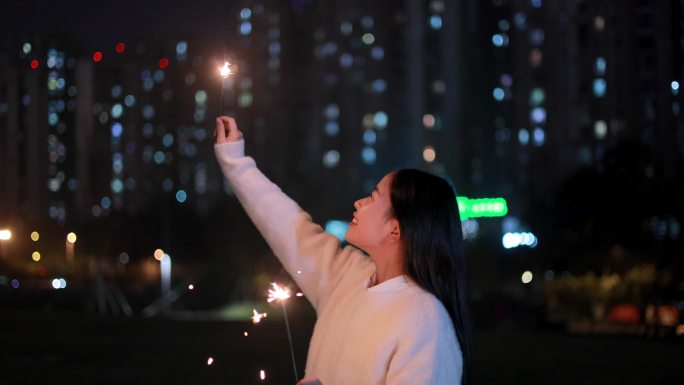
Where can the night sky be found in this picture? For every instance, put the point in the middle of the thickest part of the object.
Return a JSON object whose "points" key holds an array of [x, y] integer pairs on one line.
{"points": [[102, 23]]}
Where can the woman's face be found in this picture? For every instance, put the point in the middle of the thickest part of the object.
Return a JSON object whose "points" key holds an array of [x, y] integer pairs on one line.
{"points": [[372, 224]]}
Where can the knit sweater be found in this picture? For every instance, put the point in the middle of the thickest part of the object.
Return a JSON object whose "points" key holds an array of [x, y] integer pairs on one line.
{"points": [[392, 333]]}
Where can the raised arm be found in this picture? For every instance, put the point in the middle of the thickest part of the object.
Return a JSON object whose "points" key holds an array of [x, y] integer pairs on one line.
{"points": [[313, 257]]}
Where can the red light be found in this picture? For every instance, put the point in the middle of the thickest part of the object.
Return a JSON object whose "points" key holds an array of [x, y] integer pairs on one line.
{"points": [[120, 47], [163, 63], [97, 56], [34, 64]]}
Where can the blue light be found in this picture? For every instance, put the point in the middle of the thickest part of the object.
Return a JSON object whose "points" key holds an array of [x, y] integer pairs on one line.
{"points": [[378, 86], [337, 228], [117, 110], [600, 66], [346, 60], [377, 53], [435, 22], [368, 155], [129, 100], [674, 86], [539, 136], [159, 157], [538, 115], [148, 112], [167, 140], [600, 87], [523, 136], [369, 137], [181, 196], [498, 94], [106, 203], [181, 48], [537, 3], [117, 130], [245, 28], [117, 186], [498, 40], [332, 128], [380, 119], [245, 13]]}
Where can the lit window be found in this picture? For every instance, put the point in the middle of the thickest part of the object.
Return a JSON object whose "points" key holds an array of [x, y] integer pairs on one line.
{"points": [[600, 129], [523, 136], [332, 111], [600, 87], [429, 121], [600, 66], [368, 155], [380, 119], [429, 154], [245, 28], [369, 137], [331, 158], [538, 136], [435, 22]]}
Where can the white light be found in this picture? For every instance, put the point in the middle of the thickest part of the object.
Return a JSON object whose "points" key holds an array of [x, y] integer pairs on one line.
{"points": [[526, 277], [62, 283], [55, 283], [262, 375], [210, 361], [510, 240], [5, 235]]}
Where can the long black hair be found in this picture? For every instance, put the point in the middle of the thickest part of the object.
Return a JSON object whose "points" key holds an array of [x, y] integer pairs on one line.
{"points": [[426, 208]]}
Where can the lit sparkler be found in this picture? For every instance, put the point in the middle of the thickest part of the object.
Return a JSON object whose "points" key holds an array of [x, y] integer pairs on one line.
{"points": [[224, 71], [281, 293], [256, 318]]}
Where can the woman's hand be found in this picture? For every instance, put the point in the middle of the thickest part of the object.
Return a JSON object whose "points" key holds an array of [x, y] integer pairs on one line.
{"points": [[226, 130], [309, 381]]}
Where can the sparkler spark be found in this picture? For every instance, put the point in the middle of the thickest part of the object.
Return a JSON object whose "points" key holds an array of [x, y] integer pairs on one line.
{"points": [[278, 293], [225, 70], [256, 318]]}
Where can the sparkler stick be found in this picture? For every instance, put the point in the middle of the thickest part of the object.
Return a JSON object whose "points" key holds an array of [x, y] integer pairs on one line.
{"points": [[281, 294], [225, 72]]}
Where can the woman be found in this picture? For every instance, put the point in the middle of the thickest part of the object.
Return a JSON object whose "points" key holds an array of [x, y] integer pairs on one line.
{"points": [[395, 316]]}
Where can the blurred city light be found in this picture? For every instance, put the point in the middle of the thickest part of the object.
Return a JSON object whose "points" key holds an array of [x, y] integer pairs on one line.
{"points": [[158, 254], [526, 277], [71, 238], [35, 236], [35, 256], [337, 228], [5, 235], [511, 240], [481, 207]]}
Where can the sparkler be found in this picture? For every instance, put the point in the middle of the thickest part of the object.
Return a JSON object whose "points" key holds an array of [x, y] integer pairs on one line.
{"points": [[256, 318], [281, 293], [224, 71]]}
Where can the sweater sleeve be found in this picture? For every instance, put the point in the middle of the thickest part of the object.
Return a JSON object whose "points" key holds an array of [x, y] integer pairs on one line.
{"points": [[311, 256]]}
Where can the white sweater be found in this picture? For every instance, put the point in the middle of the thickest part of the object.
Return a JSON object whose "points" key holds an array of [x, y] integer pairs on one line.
{"points": [[391, 333]]}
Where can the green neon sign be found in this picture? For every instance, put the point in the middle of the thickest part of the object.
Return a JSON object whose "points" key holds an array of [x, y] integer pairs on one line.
{"points": [[481, 207]]}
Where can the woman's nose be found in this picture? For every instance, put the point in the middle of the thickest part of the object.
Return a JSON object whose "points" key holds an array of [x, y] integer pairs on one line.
{"points": [[357, 204]]}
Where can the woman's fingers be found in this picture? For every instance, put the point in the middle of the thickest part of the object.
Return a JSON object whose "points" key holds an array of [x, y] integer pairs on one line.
{"points": [[220, 131], [232, 132]]}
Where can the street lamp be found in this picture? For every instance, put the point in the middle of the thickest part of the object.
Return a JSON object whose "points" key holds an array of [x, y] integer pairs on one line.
{"points": [[5, 236], [70, 241]]}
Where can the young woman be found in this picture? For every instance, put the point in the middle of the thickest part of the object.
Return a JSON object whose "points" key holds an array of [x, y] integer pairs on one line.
{"points": [[394, 315]]}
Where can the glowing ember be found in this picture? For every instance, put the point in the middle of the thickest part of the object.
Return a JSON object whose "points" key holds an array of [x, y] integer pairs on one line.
{"points": [[262, 375], [225, 70], [278, 293], [256, 318], [210, 361]]}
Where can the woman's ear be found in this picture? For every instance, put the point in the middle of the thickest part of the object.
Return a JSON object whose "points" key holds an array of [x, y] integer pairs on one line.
{"points": [[395, 230]]}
